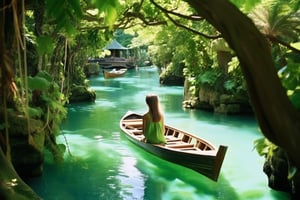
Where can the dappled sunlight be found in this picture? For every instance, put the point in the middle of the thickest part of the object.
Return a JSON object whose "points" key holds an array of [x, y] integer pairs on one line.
{"points": [[131, 179]]}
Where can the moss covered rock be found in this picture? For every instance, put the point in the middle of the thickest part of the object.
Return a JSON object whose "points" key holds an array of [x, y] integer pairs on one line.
{"points": [[27, 140], [82, 94]]}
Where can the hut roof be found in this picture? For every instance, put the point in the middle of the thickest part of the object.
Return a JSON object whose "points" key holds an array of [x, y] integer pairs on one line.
{"points": [[115, 45]]}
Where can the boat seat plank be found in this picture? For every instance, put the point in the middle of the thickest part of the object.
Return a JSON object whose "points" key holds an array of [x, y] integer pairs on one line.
{"points": [[132, 122], [139, 136], [131, 127], [184, 145], [137, 132], [177, 142], [173, 139], [189, 149]]}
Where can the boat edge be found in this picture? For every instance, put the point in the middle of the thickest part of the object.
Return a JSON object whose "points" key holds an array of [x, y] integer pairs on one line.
{"points": [[219, 161]]}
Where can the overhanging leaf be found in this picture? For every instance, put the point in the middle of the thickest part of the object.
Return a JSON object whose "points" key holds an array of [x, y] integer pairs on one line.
{"points": [[38, 83], [109, 8]]}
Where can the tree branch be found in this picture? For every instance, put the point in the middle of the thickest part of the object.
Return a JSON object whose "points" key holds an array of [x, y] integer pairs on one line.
{"points": [[285, 44], [192, 17], [143, 19], [192, 30]]}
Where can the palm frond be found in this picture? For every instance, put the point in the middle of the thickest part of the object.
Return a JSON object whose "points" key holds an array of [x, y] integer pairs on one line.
{"points": [[277, 19]]}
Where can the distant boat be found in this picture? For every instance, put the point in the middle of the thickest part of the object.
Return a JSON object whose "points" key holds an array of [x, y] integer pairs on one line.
{"points": [[181, 148], [114, 73]]}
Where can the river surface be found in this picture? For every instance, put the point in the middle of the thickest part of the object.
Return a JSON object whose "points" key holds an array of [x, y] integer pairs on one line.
{"points": [[101, 164]]}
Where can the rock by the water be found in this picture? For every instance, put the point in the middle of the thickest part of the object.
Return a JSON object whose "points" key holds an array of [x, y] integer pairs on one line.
{"points": [[82, 94]]}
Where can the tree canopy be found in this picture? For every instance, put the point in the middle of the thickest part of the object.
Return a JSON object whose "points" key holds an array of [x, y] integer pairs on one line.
{"points": [[263, 35]]}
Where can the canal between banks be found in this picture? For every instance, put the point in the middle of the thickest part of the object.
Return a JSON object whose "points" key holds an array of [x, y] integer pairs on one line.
{"points": [[101, 164]]}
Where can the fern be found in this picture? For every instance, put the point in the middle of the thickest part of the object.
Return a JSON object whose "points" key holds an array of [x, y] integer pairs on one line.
{"points": [[209, 77], [230, 85]]}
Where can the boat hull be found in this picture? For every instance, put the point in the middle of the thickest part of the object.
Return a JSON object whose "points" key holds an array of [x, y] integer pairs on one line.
{"points": [[205, 162], [114, 73]]}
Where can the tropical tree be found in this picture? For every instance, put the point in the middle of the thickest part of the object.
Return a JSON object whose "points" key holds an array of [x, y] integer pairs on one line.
{"points": [[276, 115], [277, 118]]}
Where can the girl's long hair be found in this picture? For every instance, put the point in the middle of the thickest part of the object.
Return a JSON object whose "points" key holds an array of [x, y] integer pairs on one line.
{"points": [[154, 108]]}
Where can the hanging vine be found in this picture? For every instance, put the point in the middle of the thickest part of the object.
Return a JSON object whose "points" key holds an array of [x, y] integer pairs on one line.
{"points": [[10, 11]]}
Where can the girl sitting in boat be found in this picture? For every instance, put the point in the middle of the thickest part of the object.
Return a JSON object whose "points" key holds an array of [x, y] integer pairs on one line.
{"points": [[153, 121]]}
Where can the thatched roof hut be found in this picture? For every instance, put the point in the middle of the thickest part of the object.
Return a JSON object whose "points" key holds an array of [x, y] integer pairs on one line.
{"points": [[115, 48]]}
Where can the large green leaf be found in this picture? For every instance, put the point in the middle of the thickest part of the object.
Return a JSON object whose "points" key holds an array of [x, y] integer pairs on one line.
{"points": [[109, 8], [296, 45], [45, 75], [75, 5], [38, 83], [209, 77], [65, 14]]}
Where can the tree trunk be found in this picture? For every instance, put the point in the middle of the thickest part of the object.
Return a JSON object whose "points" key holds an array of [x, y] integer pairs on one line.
{"points": [[278, 119], [12, 186], [224, 57]]}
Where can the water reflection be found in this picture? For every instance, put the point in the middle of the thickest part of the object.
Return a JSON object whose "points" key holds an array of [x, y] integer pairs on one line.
{"points": [[103, 164], [176, 182]]}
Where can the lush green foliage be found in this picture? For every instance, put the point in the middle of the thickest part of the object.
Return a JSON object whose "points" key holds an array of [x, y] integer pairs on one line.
{"points": [[279, 21], [47, 104], [182, 43], [209, 77], [290, 76], [46, 94]]}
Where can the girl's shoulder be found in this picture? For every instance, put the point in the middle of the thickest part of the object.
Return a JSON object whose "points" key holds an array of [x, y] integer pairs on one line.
{"points": [[147, 114]]}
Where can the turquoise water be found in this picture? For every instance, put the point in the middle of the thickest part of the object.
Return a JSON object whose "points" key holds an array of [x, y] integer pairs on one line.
{"points": [[102, 164]]}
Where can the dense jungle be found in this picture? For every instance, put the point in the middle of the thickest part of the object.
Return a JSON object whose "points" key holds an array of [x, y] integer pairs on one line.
{"points": [[242, 61]]}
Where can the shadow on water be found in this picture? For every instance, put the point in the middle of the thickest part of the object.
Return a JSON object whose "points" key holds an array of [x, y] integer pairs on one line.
{"points": [[79, 178], [166, 180]]}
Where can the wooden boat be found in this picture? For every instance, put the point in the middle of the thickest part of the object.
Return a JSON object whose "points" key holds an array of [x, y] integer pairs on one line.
{"points": [[181, 148], [114, 73]]}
